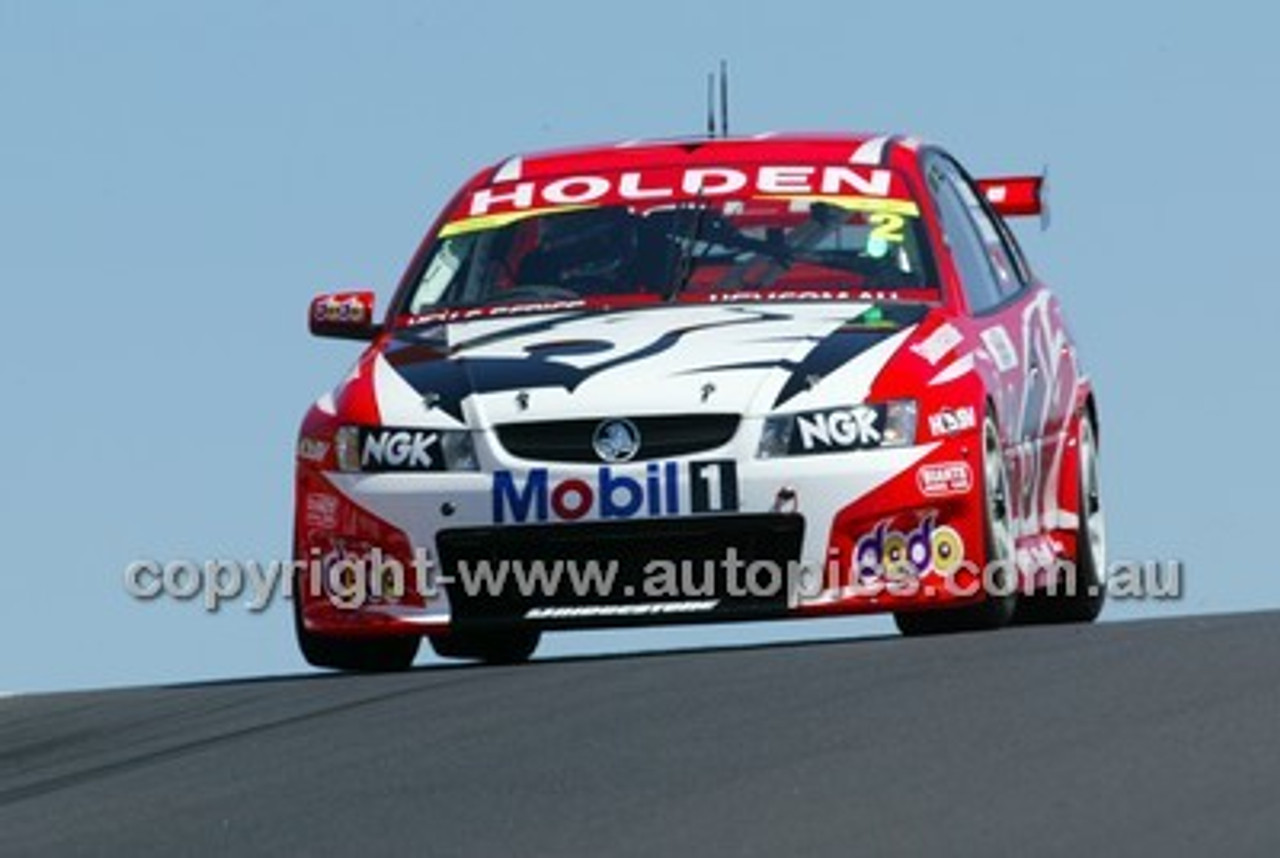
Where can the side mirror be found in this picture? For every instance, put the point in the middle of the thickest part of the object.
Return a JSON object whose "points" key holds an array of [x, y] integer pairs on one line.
{"points": [[343, 316]]}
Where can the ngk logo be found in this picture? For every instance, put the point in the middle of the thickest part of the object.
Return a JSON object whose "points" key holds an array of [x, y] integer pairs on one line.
{"points": [[842, 428], [400, 450]]}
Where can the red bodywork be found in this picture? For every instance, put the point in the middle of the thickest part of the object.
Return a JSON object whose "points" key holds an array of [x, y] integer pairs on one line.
{"points": [[1014, 360]]}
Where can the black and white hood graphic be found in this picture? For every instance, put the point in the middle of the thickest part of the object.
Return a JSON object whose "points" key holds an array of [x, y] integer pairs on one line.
{"points": [[745, 359]]}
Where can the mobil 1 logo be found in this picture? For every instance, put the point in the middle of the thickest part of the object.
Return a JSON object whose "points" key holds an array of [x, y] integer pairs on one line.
{"points": [[713, 486], [616, 492]]}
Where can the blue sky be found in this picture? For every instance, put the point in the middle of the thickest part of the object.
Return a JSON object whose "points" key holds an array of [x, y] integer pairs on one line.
{"points": [[177, 180]]}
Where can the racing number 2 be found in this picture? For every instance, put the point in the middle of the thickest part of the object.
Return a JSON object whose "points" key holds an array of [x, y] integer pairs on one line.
{"points": [[888, 227]]}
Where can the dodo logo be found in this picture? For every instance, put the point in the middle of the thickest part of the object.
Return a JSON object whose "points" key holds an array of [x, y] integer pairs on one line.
{"points": [[897, 555]]}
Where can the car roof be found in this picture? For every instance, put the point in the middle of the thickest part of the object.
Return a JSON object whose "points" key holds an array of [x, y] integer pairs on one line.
{"points": [[814, 147]]}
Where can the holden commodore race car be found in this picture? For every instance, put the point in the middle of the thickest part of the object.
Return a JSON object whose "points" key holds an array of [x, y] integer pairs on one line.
{"points": [[694, 381]]}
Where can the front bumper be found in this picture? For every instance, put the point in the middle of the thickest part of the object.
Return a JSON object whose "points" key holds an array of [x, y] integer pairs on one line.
{"points": [[717, 536]]}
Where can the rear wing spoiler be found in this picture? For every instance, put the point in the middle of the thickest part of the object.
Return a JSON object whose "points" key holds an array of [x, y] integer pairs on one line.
{"points": [[1018, 196]]}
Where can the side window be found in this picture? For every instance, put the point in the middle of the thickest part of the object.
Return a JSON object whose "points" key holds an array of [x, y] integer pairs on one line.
{"points": [[1011, 247], [967, 246], [1008, 276]]}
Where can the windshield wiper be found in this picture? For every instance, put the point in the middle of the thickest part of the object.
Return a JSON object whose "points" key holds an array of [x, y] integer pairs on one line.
{"points": [[684, 266]]}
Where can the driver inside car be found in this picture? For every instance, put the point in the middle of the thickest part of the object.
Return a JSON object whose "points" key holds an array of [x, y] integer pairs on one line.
{"points": [[589, 252]]}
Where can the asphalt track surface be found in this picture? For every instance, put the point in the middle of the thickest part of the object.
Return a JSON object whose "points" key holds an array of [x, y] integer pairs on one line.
{"points": [[1145, 738]]}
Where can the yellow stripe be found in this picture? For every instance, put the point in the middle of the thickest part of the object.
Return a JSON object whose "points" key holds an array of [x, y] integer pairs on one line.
{"points": [[496, 221], [906, 208], [848, 203]]}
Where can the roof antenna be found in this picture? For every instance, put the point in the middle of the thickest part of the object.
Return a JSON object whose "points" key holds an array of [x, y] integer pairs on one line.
{"points": [[711, 104], [724, 98]]}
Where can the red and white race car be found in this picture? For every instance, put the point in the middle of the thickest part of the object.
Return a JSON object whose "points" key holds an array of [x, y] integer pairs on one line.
{"points": [[694, 381]]}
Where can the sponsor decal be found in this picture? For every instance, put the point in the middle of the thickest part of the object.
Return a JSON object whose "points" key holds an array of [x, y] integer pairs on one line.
{"points": [[1000, 347], [856, 428], [895, 555], [649, 609], [690, 183], [789, 295], [661, 489], [400, 450], [945, 479], [616, 440], [340, 309], [320, 510], [466, 314], [949, 421], [939, 344], [312, 449]]}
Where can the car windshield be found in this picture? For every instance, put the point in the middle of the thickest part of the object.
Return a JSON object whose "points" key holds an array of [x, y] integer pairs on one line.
{"points": [[686, 249]]}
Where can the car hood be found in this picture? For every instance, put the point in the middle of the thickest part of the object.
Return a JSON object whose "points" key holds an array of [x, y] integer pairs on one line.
{"points": [[743, 359]]}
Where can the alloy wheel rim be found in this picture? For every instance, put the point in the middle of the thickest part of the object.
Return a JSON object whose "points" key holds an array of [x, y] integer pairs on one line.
{"points": [[1094, 520], [997, 490]]}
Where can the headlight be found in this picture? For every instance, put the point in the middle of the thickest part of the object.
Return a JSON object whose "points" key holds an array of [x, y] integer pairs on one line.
{"points": [[775, 441], [346, 448], [839, 430], [377, 449], [459, 452], [899, 423]]}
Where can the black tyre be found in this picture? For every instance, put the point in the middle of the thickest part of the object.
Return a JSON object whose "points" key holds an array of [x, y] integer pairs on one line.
{"points": [[506, 646], [363, 655], [998, 608]]}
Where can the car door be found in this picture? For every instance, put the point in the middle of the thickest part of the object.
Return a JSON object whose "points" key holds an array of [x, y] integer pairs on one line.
{"points": [[1019, 339]]}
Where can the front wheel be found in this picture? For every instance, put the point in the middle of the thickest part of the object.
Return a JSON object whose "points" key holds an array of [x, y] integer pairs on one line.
{"points": [[507, 646], [998, 606], [360, 655], [1081, 591]]}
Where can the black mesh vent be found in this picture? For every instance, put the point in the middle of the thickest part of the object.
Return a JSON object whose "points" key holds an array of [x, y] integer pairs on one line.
{"points": [[631, 545], [660, 437]]}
